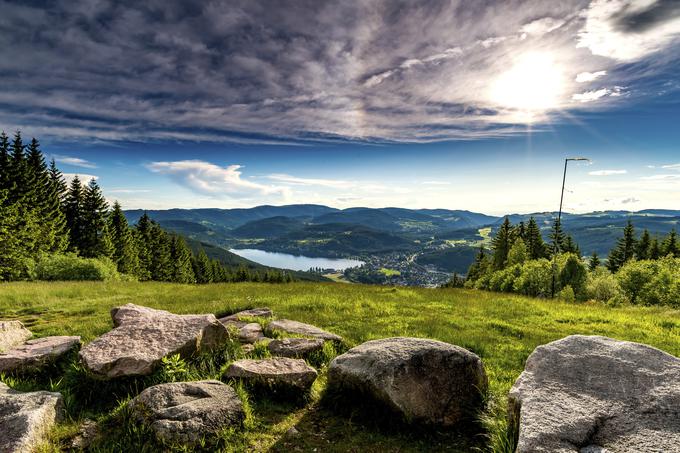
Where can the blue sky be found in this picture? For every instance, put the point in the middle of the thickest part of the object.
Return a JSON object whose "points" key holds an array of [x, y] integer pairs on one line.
{"points": [[441, 104]]}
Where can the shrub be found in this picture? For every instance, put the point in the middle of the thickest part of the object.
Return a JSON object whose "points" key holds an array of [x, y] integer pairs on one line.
{"points": [[602, 285], [535, 278], [567, 294], [504, 279], [651, 282], [573, 273], [72, 267]]}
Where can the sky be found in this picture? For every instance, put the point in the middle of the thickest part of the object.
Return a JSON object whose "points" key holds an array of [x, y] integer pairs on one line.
{"points": [[432, 104]]}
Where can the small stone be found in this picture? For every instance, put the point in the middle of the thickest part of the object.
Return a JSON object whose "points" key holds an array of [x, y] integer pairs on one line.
{"points": [[276, 371], [33, 354], [295, 347], [292, 432], [12, 334], [251, 333], [86, 435], [25, 418], [247, 348], [300, 328], [186, 412]]}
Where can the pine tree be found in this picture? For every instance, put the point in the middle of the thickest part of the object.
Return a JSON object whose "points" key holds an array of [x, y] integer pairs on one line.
{"points": [[21, 194], [95, 241], [654, 249], [180, 260], [642, 250], [557, 237], [57, 181], [501, 244], [570, 246], [159, 246], [12, 251], [624, 250], [534, 241], [141, 234], [52, 226], [520, 231], [478, 267], [5, 168], [202, 267], [670, 245], [594, 262], [73, 211], [125, 253]]}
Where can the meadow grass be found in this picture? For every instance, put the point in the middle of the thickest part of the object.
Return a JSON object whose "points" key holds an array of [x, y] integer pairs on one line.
{"points": [[502, 329]]}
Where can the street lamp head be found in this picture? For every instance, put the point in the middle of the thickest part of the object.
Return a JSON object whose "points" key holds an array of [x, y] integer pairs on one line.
{"points": [[578, 158]]}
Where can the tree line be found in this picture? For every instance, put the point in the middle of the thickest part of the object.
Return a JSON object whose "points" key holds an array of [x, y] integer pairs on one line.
{"points": [[53, 230], [639, 269]]}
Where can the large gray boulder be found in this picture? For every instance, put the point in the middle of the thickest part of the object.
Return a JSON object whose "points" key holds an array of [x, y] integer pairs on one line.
{"points": [[299, 328], [596, 394], [33, 354], [295, 347], [427, 381], [143, 336], [25, 417], [12, 333], [275, 372], [186, 412]]}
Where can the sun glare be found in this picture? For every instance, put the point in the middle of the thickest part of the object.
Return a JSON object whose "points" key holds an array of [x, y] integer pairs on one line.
{"points": [[533, 85]]}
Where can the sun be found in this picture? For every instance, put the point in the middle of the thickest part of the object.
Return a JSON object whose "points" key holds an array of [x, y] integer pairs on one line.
{"points": [[533, 85]]}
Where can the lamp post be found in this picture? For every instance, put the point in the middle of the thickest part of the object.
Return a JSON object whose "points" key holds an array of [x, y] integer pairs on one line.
{"points": [[559, 218]]}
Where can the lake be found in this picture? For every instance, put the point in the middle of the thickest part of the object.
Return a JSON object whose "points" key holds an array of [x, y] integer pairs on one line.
{"points": [[295, 262]]}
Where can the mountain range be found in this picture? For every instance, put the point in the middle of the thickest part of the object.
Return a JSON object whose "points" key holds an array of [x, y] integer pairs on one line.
{"points": [[439, 237]]}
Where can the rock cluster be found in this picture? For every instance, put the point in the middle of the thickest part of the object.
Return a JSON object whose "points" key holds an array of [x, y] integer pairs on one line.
{"points": [[596, 394], [143, 336], [426, 381]]}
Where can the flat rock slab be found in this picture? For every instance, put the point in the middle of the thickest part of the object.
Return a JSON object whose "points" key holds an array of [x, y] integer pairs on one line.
{"points": [[186, 412], [592, 394], [262, 312], [25, 417], [12, 333], [300, 328], [427, 381], [248, 332], [277, 371], [295, 347], [143, 336], [35, 353]]}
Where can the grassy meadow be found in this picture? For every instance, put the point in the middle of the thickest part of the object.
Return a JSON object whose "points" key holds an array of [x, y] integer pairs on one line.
{"points": [[502, 329]]}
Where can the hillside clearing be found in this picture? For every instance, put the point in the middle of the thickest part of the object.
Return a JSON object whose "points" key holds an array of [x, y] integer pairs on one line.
{"points": [[502, 329]]}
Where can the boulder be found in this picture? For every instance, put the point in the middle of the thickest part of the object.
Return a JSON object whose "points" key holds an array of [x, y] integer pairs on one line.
{"points": [[300, 328], [25, 417], [426, 381], [263, 312], [295, 347], [143, 336], [35, 353], [12, 333], [248, 332], [596, 394], [274, 372], [186, 412]]}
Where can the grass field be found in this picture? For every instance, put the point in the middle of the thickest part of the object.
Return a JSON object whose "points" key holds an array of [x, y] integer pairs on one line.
{"points": [[501, 329]]}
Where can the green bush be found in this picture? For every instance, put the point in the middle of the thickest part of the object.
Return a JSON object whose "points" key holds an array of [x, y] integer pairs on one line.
{"points": [[535, 278], [504, 279], [602, 285], [651, 282], [572, 273], [567, 294], [72, 267]]}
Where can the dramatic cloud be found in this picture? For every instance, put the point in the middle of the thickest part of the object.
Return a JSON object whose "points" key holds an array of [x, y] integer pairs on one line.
{"points": [[75, 161], [210, 179], [607, 172], [301, 71]]}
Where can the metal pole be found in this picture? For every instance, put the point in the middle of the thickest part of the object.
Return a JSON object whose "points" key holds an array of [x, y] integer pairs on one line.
{"points": [[556, 250]]}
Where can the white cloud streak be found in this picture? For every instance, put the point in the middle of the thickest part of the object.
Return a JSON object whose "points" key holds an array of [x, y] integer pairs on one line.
{"points": [[74, 161], [607, 172]]}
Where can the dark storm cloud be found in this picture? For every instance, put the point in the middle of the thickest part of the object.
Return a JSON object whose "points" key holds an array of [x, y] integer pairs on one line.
{"points": [[659, 12], [271, 71]]}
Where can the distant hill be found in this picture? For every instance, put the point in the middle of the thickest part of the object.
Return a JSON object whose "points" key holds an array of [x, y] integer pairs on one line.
{"points": [[321, 231]]}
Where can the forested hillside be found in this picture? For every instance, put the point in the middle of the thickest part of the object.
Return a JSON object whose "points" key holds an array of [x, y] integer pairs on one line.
{"points": [[52, 230]]}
